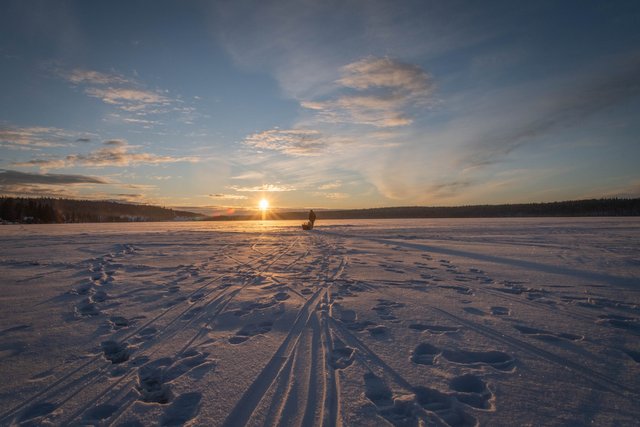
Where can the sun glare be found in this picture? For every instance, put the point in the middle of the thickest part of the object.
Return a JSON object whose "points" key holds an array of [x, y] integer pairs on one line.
{"points": [[264, 204]]}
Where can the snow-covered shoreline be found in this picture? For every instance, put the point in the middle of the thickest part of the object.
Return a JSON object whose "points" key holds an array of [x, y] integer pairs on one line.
{"points": [[406, 322]]}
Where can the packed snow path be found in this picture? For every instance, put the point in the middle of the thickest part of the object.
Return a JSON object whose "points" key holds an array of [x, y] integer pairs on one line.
{"points": [[404, 323]]}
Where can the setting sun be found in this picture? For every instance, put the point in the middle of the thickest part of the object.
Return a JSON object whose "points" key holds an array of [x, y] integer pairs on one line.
{"points": [[264, 204]]}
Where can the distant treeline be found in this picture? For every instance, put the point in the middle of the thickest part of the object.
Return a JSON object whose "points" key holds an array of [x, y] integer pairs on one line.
{"points": [[50, 210], [592, 207]]}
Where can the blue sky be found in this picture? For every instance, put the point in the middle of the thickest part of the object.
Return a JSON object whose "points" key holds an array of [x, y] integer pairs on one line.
{"points": [[324, 104]]}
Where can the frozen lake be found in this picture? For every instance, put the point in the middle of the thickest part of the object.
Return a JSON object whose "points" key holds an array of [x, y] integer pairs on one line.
{"points": [[450, 322]]}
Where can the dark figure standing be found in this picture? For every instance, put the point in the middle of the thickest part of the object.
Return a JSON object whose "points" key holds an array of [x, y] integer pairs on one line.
{"points": [[312, 217]]}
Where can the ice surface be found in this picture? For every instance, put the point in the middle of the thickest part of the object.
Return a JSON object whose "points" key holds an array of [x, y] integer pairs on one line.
{"points": [[390, 322]]}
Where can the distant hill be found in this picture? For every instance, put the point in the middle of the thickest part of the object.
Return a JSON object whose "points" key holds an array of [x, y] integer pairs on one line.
{"points": [[50, 210], [591, 207]]}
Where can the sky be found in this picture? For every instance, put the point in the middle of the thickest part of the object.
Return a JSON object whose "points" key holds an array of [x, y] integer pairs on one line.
{"points": [[214, 105]]}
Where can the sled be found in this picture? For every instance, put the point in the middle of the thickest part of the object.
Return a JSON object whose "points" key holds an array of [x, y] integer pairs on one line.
{"points": [[307, 226]]}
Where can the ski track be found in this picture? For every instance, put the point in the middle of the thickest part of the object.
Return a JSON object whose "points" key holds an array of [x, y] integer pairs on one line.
{"points": [[74, 386], [333, 349], [222, 299]]}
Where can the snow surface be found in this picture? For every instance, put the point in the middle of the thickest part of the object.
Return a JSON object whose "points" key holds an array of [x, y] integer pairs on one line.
{"points": [[394, 322]]}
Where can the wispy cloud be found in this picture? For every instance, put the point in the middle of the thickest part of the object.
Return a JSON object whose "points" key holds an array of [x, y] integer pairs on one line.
{"points": [[548, 111], [333, 196], [27, 184], [140, 121], [38, 190], [250, 175], [377, 92], [330, 185], [39, 137], [289, 38], [127, 94], [113, 153], [132, 100], [80, 75], [448, 189], [228, 196], [12, 177], [267, 188], [15, 183], [295, 142], [374, 72]]}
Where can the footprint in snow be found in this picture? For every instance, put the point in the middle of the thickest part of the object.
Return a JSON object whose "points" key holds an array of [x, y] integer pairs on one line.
{"points": [[402, 410], [473, 391], [118, 322], [251, 330], [459, 289], [342, 357], [86, 308], [281, 296], [99, 296], [500, 311], [434, 329], [397, 411], [496, 359], [99, 413], [116, 352], [183, 409], [155, 378], [445, 406], [426, 354], [378, 331], [84, 289], [384, 309], [35, 412], [475, 311]]}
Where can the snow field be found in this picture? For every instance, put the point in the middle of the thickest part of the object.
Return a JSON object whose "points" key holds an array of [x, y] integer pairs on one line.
{"points": [[431, 322]]}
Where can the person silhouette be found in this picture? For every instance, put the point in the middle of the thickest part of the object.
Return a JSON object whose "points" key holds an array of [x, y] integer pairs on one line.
{"points": [[312, 217]]}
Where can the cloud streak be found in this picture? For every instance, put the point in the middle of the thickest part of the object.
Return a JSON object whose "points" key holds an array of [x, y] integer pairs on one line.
{"points": [[12, 177], [80, 76], [378, 92], [16, 183], [125, 94], [228, 196], [560, 110], [294, 142], [116, 153], [267, 188], [39, 137]]}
